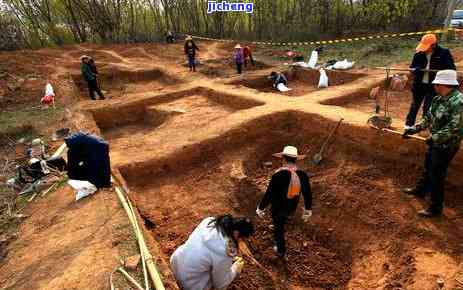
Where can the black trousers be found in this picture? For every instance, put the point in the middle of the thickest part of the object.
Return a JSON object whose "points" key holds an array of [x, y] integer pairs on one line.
{"points": [[239, 67], [279, 223], [421, 92], [94, 87], [436, 166], [246, 61]]}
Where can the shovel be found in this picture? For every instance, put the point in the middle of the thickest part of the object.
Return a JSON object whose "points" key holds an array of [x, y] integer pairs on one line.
{"points": [[319, 156]]}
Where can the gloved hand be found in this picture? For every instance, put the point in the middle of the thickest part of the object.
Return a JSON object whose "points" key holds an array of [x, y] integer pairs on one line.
{"points": [[238, 265], [260, 213], [429, 141], [306, 215]]}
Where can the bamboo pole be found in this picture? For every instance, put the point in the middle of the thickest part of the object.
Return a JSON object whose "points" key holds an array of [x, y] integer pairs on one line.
{"points": [[130, 279], [155, 277]]}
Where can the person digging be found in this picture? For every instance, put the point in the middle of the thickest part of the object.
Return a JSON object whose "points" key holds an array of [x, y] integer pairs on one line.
{"points": [[209, 258], [445, 123], [278, 78], [87, 69], [247, 54], [283, 193], [190, 49], [431, 56]]}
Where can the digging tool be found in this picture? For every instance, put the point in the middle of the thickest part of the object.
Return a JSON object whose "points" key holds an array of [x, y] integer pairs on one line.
{"points": [[243, 247], [399, 133], [384, 121], [409, 69], [319, 156]]}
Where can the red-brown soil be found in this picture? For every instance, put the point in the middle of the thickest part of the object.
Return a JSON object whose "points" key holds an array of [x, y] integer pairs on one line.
{"points": [[300, 81], [350, 222]]}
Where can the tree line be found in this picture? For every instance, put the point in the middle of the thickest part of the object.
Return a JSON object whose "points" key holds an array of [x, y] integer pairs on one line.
{"points": [[39, 23]]}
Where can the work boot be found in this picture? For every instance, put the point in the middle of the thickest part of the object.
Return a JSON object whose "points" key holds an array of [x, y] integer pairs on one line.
{"points": [[429, 213], [414, 191]]}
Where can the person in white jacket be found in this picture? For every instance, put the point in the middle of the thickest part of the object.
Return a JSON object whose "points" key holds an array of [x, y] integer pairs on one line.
{"points": [[209, 258]]}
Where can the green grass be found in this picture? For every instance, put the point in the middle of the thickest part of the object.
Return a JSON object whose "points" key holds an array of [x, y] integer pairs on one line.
{"points": [[28, 117], [370, 53]]}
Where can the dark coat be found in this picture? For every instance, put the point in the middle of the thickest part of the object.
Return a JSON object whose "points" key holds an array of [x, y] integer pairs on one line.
{"points": [[441, 59], [88, 159], [190, 50]]}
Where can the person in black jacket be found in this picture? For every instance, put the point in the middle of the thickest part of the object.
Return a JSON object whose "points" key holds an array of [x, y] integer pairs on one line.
{"points": [[283, 193], [89, 74], [429, 56], [190, 50]]}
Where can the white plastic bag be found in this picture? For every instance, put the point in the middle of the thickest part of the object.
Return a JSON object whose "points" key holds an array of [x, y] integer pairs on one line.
{"points": [[313, 59], [343, 65], [83, 188], [323, 81], [282, 88], [49, 90]]}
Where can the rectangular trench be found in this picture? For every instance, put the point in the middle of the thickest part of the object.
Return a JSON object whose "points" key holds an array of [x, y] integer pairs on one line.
{"points": [[301, 81], [356, 199]]}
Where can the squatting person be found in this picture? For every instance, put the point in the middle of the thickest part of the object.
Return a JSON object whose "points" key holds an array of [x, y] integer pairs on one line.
{"points": [[190, 51], [278, 78], [445, 123], [429, 56], [283, 193], [89, 73], [209, 258]]}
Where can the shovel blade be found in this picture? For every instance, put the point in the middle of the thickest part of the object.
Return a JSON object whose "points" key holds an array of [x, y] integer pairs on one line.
{"points": [[317, 158]]}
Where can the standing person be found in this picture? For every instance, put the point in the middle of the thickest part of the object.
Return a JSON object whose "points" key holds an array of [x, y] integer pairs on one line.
{"points": [[190, 51], [247, 53], [239, 58], [445, 123], [90, 77], [429, 56], [209, 258], [283, 195]]}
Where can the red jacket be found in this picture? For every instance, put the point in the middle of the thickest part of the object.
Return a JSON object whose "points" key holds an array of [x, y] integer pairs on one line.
{"points": [[247, 52]]}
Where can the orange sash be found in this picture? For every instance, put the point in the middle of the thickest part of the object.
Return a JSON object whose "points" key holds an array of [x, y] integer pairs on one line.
{"points": [[294, 188]]}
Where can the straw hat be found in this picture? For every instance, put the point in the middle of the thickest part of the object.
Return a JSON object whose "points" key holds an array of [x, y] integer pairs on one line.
{"points": [[446, 77], [426, 42], [289, 151], [188, 37], [238, 46], [84, 57]]}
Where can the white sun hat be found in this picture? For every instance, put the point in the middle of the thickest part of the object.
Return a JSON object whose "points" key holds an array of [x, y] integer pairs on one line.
{"points": [[446, 77], [289, 151]]}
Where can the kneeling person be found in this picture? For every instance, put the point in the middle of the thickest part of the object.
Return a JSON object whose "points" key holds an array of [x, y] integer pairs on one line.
{"points": [[209, 258], [283, 194]]}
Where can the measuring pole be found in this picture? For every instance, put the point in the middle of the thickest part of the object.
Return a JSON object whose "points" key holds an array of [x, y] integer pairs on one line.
{"points": [[452, 4]]}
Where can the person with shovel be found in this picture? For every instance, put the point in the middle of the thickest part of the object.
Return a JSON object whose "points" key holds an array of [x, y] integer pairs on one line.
{"points": [[445, 123], [209, 258], [283, 193], [429, 56]]}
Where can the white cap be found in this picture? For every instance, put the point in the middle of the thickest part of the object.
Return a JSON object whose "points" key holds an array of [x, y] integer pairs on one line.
{"points": [[446, 77]]}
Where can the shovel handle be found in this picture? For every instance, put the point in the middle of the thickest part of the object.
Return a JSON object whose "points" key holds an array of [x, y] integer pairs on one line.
{"points": [[401, 133], [329, 136]]}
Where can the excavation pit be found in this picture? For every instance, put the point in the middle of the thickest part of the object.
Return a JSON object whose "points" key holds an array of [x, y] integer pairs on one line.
{"points": [[117, 82], [398, 103], [300, 81], [359, 211], [166, 116]]}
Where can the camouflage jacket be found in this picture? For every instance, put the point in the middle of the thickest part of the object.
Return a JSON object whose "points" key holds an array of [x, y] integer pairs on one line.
{"points": [[445, 119]]}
